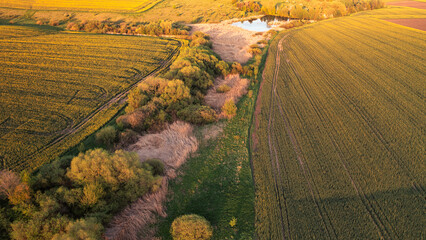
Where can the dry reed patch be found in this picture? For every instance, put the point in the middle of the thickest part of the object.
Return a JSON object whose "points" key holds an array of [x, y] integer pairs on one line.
{"points": [[413, 4], [230, 42], [172, 146], [417, 23], [238, 87]]}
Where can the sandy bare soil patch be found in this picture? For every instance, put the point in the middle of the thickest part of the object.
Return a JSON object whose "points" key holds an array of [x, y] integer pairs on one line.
{"points": [[230, 42], [417, 23], [172, 146], [238, 88], [413, 4]]}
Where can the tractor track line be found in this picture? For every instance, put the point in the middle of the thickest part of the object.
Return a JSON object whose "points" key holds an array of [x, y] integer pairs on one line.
{"points": [[272, 148]]}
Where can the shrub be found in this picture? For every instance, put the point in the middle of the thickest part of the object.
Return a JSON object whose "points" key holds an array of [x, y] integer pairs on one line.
{"points": [[135, 100], [44, 223], [122, 122], [200, 42], [250, 93], [175, 91], [223, 67], [223, 88], [50, 175], [237, 68], [191, 227], [229, 109], [157, 166], [107, 136], [128, 137], [121, 174], [82, 229], [11, 186], [197, 114]]}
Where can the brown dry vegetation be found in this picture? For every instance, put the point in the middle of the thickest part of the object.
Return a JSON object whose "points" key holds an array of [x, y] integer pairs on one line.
{"points": [[172, 146], [230, 42], [238, 87]]}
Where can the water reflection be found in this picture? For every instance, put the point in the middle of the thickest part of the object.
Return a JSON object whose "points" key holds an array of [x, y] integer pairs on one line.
{"points": [[262, 24]]}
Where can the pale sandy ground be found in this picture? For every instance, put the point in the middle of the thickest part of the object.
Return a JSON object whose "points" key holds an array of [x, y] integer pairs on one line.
{"points": [[230, 42]]}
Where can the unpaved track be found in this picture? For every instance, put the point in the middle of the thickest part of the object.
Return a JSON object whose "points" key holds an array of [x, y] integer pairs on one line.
{"points": [[275, 166], [119, 98]]}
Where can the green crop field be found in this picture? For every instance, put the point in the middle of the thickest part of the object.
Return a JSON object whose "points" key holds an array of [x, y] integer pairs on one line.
{"points": [[339, 144], [51, 81]]}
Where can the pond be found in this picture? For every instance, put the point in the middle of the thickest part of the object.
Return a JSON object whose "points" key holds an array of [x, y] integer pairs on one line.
{"points": [[262, 24]]}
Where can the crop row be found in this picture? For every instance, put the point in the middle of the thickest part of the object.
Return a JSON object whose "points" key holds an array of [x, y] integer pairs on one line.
{"points": [[341, 135]]}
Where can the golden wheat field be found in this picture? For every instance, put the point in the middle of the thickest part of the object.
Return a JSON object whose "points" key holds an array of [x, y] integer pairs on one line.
{"points": [[340, 138], [52, 80], [120, 5]]}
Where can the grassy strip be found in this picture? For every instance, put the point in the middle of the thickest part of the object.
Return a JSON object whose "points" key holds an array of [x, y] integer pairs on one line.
{"points": [[217, 182]]}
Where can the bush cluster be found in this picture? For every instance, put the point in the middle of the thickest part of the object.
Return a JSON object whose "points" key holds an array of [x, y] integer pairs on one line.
{"points": [[179, 93], [73, 198]]}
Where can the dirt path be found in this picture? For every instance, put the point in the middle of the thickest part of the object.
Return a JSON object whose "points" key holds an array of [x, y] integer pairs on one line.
{"points": [[119, 98]]}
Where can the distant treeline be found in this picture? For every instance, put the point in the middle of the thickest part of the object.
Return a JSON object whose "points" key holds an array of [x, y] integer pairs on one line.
{"points": [[146, 28], [308, 9]]}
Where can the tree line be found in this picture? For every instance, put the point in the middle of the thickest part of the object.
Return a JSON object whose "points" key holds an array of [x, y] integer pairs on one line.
{"points": [[308, 10]]}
